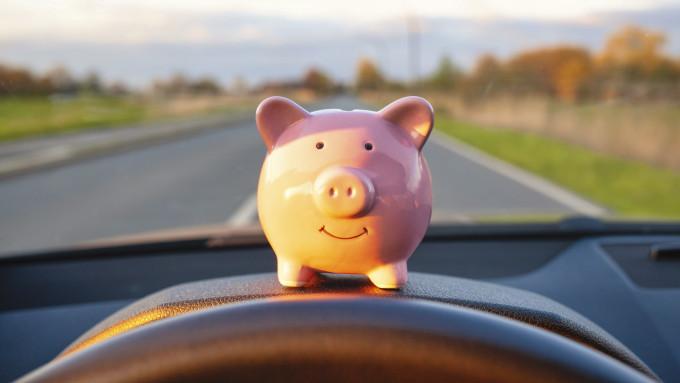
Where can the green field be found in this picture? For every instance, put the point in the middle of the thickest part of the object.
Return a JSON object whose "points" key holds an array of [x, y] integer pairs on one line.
{"points": [[24, 117], [629, 188]]}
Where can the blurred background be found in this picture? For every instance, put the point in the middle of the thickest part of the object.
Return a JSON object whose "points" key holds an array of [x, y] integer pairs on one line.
{"points": [[582, 94]]}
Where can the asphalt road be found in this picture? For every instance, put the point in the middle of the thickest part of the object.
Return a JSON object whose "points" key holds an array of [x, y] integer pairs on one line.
{"points": [[212, 177]]}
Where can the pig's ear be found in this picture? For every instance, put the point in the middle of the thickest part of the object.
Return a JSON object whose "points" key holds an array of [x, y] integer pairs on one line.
{"points": [[414, 115], [274, 115]]}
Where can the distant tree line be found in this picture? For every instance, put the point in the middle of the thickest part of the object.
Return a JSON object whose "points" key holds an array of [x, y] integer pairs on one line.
{"points": [[631, 65], [15, 81], [179, 84]]}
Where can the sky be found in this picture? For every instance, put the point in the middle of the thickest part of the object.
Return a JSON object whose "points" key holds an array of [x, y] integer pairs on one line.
{"points": [[136, 40]]}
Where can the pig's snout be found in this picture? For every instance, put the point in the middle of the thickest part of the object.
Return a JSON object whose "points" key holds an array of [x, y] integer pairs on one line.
{"points": [[343, 192]]}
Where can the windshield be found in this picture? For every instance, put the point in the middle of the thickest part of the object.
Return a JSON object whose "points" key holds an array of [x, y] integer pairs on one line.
{"points": [[124, 117]]}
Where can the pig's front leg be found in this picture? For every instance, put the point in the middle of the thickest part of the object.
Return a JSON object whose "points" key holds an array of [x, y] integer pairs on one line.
{"points": [[293, 274], [391, 276]]}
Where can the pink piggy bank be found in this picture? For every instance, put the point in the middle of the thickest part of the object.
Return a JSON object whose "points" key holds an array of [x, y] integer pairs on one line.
{"points": [[344, 192]]}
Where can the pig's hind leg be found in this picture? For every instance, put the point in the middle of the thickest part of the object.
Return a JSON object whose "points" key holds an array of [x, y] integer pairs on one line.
{"points": [[293, 274], [391, 276]]}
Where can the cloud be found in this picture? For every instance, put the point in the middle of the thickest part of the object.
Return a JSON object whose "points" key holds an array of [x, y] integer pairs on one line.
{"points": [[158, 21], [260, 47]]}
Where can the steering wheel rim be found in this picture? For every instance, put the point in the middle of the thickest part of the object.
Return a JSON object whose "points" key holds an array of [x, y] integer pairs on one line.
{"points": [[336, 338]]}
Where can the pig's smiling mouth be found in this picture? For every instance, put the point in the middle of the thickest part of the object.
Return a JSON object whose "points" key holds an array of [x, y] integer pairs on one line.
{"points": [[323, 230]]}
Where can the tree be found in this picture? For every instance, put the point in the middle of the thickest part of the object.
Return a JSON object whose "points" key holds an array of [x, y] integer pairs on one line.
{"points": [[61, 80], [369, 76], [632, 64], [635, 49], [175, 85], [316, 80], [487, 72], [117, 88], [206, 85], [91, 83], [558, 72], [446, 76], [239, 86], [487, 67], [16, 81]]}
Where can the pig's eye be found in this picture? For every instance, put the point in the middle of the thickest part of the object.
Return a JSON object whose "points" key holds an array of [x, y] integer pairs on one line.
{"points": [[319, 145], [368, 146]]}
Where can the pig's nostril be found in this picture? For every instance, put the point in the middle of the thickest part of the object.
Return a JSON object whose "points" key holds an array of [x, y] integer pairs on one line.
{"points": [[350, 192], [331, 192]]}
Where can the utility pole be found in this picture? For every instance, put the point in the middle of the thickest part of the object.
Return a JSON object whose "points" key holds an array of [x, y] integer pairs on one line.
{"points": [[413, 47]]}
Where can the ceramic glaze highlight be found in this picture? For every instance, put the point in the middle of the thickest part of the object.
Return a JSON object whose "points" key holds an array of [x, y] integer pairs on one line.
{"points": [[344, 191]]}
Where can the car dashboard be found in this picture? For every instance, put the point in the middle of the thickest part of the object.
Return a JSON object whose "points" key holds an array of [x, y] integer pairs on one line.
{"points": [[596, 286]]}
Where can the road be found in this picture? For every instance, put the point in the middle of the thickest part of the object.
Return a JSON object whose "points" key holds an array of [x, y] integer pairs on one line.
{"points": [[212, 177]]}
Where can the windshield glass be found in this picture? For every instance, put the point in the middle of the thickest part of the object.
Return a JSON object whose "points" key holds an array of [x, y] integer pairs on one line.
{"points": [[124, 117]]}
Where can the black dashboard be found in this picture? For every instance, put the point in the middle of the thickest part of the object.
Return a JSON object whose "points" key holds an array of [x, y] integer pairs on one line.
{"points": [[50, 300]]}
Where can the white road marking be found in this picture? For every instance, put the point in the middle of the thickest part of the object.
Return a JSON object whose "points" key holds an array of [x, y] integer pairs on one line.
{"points": [[245, 214], [532, 181], [441, 216], [37, 158]]}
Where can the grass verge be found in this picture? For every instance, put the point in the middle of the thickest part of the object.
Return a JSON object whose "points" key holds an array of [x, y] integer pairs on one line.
{"points": [[22, 117], [630, 188]]}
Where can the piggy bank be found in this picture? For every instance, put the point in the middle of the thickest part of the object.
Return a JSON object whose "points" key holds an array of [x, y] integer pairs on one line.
{"points": [[344, 191]]}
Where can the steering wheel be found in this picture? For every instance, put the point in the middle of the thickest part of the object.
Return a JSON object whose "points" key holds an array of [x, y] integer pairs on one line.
{"points": [[334, 337]]}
